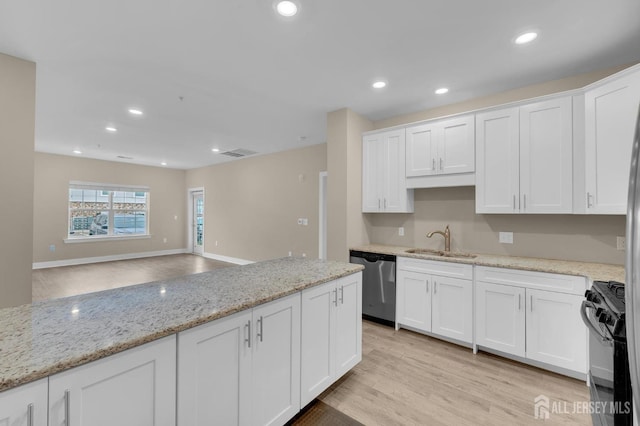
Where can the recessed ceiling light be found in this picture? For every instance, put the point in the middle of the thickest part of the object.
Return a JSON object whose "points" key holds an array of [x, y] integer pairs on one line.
{"points": [[441, 91], [164, 163], [526, 38], [111, 129], [215, 150], [379, 84], [77, 151], [135, 111], [287, 8]]}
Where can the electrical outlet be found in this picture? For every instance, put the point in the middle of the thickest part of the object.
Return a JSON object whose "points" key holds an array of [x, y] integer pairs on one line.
{"points": [[621, 243], [52, 247], [401, 231], [164, 240], [506, 237]]}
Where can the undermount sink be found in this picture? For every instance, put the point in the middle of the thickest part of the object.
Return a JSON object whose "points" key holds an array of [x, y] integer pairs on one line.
{"points": [[440, 253]]}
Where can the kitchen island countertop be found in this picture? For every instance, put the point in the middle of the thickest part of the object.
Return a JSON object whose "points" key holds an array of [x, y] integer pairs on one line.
{"points": [[591, 270], [43, 338]]}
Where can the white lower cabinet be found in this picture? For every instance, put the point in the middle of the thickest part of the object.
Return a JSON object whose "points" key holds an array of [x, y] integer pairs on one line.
{"points": [[214, 372], [532, 315], [275, 366], [435, 297], [331, 333], [25, 405], [242, 370], [133, 388], [500, 321]]}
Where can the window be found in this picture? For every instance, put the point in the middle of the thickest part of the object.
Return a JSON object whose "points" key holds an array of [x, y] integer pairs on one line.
{"points": [[107, 210]]}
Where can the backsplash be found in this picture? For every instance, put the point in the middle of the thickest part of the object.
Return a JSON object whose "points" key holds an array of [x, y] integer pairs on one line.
{"points": [[590, 238]]}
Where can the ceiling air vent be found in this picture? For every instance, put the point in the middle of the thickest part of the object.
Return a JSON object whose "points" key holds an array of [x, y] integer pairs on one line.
{"points": [[238, 153]]}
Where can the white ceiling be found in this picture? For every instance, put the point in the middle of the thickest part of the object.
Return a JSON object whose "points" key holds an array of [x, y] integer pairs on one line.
{"points": [[232, 74]]}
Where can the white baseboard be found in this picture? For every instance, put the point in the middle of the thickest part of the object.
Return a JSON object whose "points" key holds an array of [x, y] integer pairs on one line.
{"points": [[85, 260], [227, 259]]}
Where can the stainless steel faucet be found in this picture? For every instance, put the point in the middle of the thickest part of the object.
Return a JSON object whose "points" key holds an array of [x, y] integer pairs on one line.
{"points": [[447, 237]]}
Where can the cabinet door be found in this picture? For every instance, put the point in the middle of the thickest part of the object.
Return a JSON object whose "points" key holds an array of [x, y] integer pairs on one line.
{"points": [[422, 150], [372, 149], [452, 308], [500, 317], [497, 161], [611, 112], [133, 388], [555, 332], [318, 325], [456, 146], [214, 381], [546, 157], [276, 361], [25, 405], [394, 194], [348, 347], [414, 300]]}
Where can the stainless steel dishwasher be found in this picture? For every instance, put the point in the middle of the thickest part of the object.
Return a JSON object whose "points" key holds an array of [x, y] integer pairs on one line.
{"points": [[378, 286]]}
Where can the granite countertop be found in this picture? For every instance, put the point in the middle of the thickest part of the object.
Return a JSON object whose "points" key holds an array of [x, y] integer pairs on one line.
{"points": [[593, 271], [43, 338]]}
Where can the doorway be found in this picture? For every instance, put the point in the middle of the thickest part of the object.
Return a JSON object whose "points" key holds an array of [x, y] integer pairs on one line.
{"points": [[197, 222]]}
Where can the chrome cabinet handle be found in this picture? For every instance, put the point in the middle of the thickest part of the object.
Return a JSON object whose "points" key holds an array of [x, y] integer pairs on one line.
{"points": [[519, 302], [260, 328], [435, 287], [441, 168], [434, 164], [335, 296], [30, 415], [524, 204], [589, 200], [248, 339], [427, 286], [378, 203], [531, 304], [342, 295], [67, 407], [514, 202], [385, 203]]}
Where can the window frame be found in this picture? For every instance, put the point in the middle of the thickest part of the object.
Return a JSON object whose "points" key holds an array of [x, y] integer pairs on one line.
{"points": [[111, 210]]}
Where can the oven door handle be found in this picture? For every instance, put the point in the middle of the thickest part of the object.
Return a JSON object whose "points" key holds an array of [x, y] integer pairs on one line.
{"points": [[583, 313]]}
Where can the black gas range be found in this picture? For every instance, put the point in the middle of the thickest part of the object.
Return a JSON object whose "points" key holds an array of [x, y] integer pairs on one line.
{"points": [[603, 312]]}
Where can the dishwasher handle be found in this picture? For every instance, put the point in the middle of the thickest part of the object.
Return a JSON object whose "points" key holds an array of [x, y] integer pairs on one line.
{"points": [[371, 257]]}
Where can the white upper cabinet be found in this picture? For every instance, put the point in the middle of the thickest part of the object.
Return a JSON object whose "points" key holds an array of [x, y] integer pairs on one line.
{"points": [[384, 187], [498, 161], [442, 147], [525, 159], [611, 111]]}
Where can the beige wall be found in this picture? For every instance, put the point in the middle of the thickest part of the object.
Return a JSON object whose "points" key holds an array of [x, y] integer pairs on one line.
{"points": [[344, 160], [17, 124], [168, 199], [252, 205], [574, 237], [571, 237]]}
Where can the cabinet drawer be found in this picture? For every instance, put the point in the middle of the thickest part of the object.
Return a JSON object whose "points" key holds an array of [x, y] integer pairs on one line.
{"points": [[449, 269], [539, 280]]}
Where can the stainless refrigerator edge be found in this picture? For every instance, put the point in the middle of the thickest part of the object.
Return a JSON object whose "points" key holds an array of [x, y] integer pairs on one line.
{"points": [[632, 265]]}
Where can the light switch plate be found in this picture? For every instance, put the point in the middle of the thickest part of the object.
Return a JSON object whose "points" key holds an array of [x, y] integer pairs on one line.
{"points": [[506, 237], [401, 231], [621, 243]]}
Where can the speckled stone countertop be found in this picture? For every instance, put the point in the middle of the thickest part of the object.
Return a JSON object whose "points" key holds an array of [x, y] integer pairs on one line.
{"points": [[44, 338], [593, 271]]}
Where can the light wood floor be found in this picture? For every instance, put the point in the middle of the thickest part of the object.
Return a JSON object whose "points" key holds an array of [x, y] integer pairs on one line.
{"points": [[51, 283], [404, 378]]}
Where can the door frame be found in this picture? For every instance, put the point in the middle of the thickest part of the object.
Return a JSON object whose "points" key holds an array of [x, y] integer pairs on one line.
{"points": [[190, 212], [322, 216]]}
